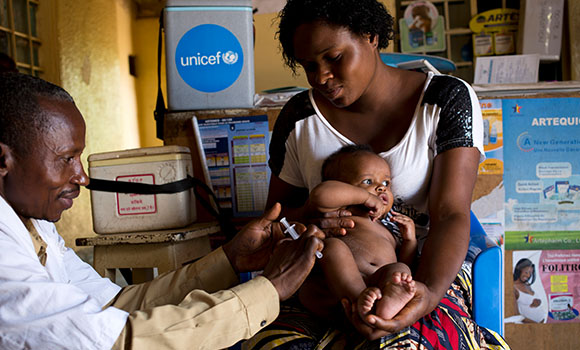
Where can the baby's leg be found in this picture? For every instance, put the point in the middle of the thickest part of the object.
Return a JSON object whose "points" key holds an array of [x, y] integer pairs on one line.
{"points": [[395, 288], [342, 279]]}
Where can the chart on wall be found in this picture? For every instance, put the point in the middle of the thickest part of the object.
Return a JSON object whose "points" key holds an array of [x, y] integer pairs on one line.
{"points": [[236, 156], [542, 173]]}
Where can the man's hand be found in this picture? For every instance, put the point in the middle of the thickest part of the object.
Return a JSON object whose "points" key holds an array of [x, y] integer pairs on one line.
{"points": [[292, 261], [251, 248]]}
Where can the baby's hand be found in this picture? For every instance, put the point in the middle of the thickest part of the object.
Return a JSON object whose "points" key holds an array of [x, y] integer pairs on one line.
{"points": [[377, 208], [406, 225]]}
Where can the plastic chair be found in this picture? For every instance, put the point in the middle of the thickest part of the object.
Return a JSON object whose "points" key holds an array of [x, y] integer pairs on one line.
{"points": [[402, 60], [487, 274]]}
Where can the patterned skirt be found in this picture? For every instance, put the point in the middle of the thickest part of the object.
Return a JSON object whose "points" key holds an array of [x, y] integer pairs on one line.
{"points": [[449, 326]]}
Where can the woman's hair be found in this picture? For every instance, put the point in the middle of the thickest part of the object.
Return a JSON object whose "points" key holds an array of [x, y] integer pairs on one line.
{"points": [[331, 166], [360, 17], [522, 264]]}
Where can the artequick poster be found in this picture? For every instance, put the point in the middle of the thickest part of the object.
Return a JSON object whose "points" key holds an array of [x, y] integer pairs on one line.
{"points": [[542, 173]]}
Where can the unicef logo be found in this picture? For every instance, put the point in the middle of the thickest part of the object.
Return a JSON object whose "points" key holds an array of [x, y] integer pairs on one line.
{"points": [[230, 57], [209, 58]]}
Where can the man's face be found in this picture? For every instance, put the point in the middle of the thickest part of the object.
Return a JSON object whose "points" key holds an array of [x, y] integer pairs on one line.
{"points": [[43, 183]]}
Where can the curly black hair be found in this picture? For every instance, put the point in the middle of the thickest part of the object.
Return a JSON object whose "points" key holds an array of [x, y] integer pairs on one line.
{"points": [[358, 16]]}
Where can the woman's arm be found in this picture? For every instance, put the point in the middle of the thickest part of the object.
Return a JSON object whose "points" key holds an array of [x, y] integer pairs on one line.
{"points": [[452, 183], [291, 197]]}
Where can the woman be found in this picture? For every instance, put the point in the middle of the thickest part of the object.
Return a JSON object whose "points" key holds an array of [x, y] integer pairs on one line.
{"points": [[427, 127], [529, 305]]}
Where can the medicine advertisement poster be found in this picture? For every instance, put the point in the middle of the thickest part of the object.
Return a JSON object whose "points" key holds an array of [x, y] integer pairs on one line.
{"points": [[542, 173], [489, 193], [492, 137], [546, 286], [236, 156]]}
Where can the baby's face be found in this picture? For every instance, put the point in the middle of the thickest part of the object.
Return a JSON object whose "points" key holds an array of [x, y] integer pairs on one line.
{"points": [[368, 171]]}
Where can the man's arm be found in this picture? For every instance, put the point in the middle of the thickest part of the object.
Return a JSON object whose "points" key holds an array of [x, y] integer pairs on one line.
{"points": [[220, 319], [203, 320]]}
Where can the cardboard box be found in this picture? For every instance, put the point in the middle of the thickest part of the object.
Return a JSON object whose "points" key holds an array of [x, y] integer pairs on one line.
{"points": [[540, 28], [120, 212]]}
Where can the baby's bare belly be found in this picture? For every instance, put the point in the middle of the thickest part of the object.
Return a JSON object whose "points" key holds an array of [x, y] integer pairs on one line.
{"points": [[371, 244]]}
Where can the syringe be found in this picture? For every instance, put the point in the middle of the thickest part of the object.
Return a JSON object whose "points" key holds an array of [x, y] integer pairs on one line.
{"points": [[292, 232]]}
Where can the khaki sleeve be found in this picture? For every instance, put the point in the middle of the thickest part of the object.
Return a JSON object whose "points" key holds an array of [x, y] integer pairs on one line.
{"points": [[211, 273], [203, 320]]}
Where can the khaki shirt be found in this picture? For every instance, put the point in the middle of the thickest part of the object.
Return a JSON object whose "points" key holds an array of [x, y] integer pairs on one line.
{"points": [[191, 308]]}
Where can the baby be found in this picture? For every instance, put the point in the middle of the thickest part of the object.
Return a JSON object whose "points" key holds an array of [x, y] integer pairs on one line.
{"points": [[368, 265]]}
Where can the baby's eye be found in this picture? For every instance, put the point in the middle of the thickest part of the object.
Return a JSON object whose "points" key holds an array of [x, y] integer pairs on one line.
{"points": [[367, 181], [386, 183]]}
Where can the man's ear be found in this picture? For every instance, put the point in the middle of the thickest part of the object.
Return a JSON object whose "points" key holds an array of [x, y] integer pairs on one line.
{"points": [[6, 159]]}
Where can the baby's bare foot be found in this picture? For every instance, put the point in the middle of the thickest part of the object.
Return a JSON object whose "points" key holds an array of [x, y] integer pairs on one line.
{"points": [[396, 294], [367, 299]]}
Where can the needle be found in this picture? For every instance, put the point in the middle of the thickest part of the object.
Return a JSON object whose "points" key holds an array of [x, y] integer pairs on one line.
{"points": [[292, 232]]}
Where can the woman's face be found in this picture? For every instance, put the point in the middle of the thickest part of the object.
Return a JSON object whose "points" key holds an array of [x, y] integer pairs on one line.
{"points": [[526, 273], [338, 64]]}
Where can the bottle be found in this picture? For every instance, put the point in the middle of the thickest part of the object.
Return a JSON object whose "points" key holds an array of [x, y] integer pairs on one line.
{"points": [[493, 134], [486, 132]]}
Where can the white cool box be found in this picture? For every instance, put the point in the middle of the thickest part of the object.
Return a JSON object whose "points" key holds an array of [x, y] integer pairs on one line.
{"points": [[120, 212]]}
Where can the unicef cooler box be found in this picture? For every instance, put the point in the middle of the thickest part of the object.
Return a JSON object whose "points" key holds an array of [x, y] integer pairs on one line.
{"points": [[126, 212], [209, 54]]}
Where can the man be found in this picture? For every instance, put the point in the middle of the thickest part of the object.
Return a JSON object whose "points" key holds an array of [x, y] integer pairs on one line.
{"points": [[50, 299]]}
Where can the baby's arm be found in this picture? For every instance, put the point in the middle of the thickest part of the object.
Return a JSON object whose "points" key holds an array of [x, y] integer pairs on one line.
{"points": [[333, 195], [408, 249]]}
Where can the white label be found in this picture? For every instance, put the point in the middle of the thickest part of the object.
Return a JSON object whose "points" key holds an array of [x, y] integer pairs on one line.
{"points": [[136, 204]]}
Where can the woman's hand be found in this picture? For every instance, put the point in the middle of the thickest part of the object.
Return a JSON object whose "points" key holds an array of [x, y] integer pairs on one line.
{"points": [[373, 327], [333, 223]]}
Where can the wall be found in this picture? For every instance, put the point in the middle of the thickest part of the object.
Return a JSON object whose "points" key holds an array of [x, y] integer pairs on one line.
{"points": [[93, 40], [270, 71]]}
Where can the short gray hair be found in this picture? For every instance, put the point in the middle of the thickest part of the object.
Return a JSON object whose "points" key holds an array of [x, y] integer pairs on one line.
{"points": [[22, 119]]}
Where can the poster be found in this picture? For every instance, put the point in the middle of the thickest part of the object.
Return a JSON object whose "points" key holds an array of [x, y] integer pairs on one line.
{"points": [[546, 286], [542, 173], [236, 156], [422, 29], [492, 137]]}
